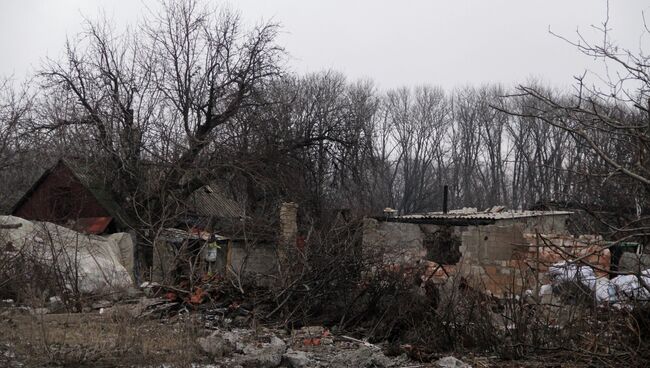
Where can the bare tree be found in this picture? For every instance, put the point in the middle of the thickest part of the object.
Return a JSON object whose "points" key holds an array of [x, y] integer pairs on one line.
{"points": [[418, 121], [608, 121], [158, 95], [16, 150]]}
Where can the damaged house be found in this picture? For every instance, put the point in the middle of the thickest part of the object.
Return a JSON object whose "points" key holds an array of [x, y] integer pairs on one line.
{"points": [[67, 194], [69, 213], [496, 250], [203, 240], [209, 235], [212, 238]]}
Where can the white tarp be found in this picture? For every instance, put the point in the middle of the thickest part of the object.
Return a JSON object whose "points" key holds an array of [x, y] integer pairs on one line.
{"points": [[632, 286], [563, 271], [90, 261], [617, 290]]}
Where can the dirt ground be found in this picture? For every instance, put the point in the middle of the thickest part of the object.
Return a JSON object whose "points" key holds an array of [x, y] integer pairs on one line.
{"points": [[116, 339], [94, 340]]}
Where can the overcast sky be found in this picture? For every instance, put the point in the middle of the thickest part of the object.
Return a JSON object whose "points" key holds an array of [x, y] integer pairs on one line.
{"points": [[396, 43]]}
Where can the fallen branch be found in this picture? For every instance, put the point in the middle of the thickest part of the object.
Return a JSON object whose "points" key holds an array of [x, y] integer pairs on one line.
{"points": [[364, 343]]}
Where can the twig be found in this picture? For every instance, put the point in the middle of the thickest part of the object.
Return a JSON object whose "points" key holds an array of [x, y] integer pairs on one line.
{"points": [[364, 343]]}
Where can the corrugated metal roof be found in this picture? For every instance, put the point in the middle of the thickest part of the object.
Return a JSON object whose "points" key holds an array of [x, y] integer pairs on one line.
{"points": [[504, 215], [469, 217], [178, 236], [209, 201]]}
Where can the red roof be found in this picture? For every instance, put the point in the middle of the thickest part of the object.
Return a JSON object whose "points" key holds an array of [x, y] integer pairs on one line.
{"points": [[92, 225]]}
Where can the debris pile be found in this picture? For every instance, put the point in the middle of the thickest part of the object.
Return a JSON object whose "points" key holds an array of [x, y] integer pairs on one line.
{"points": [[266, 348]]}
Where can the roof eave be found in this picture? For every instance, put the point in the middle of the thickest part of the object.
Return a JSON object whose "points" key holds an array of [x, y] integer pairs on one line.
{"points": [[438, 221]]}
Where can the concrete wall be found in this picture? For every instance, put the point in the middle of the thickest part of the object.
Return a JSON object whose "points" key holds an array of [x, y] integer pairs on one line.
{"points": [[164, 263], [632, 262], [403, 243], [259, 262], [492, 258], [392, 242], [549, 224], [487, 244]]}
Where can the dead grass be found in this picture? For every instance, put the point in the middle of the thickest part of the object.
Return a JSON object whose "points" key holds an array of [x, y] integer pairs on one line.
{"points": [[99, 340]]}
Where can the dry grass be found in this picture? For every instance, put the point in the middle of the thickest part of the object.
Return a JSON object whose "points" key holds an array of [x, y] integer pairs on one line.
{"points": [[99, 340]]}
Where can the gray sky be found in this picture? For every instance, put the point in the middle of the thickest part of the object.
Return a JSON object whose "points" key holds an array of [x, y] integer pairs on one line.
{"points": [[396, 43]]}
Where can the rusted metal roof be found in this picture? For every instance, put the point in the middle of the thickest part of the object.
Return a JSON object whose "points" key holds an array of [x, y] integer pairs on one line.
{"points": [[92, 225], [210, 201]]}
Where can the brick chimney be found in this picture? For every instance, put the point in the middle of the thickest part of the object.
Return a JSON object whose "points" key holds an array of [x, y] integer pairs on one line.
{"points": [[289, 223]]}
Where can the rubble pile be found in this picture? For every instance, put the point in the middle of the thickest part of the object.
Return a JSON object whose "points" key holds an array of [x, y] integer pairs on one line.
{"points": [[298, 349]]}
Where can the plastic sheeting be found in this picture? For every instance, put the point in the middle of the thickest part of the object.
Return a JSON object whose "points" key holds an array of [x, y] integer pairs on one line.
{"points": [[633, 286], [89, 261], [620, 289]]}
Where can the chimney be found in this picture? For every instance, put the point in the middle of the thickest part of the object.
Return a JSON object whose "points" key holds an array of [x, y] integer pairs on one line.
{"points": [[445, 195], [289, 223]]}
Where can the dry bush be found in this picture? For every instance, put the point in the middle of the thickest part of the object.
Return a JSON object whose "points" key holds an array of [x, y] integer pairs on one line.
{"points": [[40, 268], [323, 279], [390, 304], [520, 327], [28, 279]]}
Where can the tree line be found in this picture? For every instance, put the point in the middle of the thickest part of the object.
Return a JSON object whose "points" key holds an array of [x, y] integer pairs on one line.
{"points": [[191, 96]]}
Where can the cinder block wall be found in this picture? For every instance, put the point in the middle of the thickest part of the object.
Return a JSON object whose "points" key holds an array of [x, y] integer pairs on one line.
{"points": [[259, 261], [491, 243], [500, 258], [392, 242], [492, 258]]}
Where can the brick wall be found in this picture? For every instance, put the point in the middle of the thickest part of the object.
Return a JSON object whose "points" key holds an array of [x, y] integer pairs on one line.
{"points": [[513, 266], [500, 259], [258, 261]]}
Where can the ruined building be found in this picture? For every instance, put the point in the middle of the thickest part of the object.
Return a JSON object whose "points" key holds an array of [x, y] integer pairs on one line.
{"points": [[495, 250]]}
